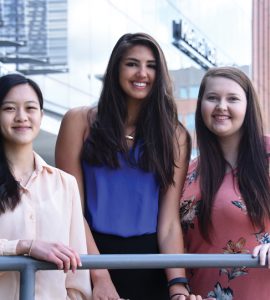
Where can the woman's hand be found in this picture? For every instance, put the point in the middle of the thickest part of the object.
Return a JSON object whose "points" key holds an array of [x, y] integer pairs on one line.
{"points": [[63, 256], [103, 288], [263, 251], [105, 291], [185, 297], [190, 297]]}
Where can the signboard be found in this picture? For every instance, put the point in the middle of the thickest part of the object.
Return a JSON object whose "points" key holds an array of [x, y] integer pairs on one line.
{"points": [[194, 45]]}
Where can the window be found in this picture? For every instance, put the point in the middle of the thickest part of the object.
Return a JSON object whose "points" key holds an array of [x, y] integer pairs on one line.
{"points": [[193, 91], [190, 121], [183, 93]]}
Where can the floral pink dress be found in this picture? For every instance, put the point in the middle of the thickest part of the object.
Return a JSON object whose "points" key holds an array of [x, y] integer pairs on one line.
{"points": [[232, 233]]}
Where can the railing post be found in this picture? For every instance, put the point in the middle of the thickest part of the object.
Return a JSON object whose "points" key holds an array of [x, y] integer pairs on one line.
{"points": [[27, 282]]}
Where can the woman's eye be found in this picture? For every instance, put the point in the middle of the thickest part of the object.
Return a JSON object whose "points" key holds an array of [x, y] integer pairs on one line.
{"points": [[8, 108], [152, 66], [32, 107], [233, 99], [211, 98], [131, 64]]}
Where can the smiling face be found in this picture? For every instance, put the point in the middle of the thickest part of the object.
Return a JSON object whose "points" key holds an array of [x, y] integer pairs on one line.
{"points": [[20, 116], [137, 72], [223, 107]]}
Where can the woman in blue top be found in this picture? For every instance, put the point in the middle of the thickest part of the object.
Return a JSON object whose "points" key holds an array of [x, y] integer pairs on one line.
{"points": [[130, 157]]}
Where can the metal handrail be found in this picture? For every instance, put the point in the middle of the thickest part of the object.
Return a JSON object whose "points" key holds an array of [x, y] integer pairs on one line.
{"points": [[27, 266]]}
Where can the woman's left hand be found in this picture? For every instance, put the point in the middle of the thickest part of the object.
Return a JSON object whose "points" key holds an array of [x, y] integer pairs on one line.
{"points": [[184, 297], [63, 256], [192, 297], [263, 251], [103, 288]]}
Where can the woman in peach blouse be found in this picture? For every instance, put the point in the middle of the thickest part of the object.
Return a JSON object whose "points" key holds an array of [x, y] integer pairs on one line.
{"points": [[225, 206], [40, 210]]}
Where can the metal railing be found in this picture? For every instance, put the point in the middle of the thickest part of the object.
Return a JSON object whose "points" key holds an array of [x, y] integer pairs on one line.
{"points": [[28, 266]]}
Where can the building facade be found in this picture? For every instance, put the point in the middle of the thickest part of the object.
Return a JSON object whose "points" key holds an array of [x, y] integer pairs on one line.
{"points": [[34, 36], [94, 26], [260, 55]]}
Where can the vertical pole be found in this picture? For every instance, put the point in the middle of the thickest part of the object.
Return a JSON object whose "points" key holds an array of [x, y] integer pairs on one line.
{"points": [[27, 283]]}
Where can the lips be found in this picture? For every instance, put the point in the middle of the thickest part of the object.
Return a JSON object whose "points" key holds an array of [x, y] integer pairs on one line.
{"points": [[221, 117], [21, 128]]}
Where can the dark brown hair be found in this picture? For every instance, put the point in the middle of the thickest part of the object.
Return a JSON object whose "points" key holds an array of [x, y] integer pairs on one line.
{"points": [[157, 121], [252, 162]]}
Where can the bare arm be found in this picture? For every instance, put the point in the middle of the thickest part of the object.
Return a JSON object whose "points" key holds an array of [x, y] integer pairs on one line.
{"points": [[73, 132], [169, 230]]}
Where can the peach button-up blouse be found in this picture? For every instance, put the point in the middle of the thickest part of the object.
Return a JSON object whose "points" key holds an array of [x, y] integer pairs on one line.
{"points": [[49, 210]]}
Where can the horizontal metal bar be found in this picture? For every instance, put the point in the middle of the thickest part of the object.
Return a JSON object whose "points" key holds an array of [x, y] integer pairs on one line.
{"points": [[138, 261], [153, 261]]}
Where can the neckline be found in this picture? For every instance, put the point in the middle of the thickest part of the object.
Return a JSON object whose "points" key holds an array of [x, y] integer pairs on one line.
{"points": [[24, 184], [231, 172]]}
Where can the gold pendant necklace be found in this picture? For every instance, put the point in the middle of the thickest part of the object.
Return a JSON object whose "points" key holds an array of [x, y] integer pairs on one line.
{"points": [[129, 137]]}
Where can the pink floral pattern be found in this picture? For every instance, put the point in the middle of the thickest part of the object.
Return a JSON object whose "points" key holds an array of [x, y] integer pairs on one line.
{"points": [[231, 233]]}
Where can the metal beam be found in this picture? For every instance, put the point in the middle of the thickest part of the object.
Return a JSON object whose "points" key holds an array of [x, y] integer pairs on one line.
{"points": [[28, 266], [8, 43]]}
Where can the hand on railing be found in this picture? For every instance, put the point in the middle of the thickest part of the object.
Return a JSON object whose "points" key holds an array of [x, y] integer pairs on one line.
{"points": [[180, 296], [263, 251], [190, 297], [63, 256]]}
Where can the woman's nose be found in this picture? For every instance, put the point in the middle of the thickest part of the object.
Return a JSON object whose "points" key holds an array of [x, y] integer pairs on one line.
{"points": [[142, 71], [21, 115], [222, 105]]}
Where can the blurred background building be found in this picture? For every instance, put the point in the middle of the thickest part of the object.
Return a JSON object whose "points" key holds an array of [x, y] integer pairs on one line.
{"points": [[33, 35], [65, 46], [261, 55]]}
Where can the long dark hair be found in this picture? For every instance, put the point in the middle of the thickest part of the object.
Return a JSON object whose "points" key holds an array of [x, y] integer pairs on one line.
{"points": [[157, 121], [252, 163], [9, 187]]}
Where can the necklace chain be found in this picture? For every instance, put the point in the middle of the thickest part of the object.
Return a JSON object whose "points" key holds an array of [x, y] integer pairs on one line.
{"points": [[23, 180]]}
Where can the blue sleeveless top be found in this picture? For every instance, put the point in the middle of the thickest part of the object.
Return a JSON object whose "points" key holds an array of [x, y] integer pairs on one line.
{"points": [[121, 201]]}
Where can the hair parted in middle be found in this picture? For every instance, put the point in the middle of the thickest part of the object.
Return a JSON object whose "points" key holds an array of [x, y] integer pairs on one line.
{"points": [[156, 124], [252, 162]]}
